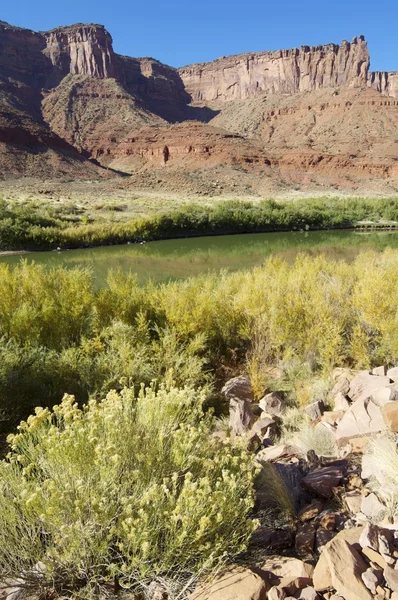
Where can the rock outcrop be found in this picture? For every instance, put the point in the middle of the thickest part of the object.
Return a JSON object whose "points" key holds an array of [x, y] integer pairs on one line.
{"points": [[80, 50], [280, 72], [384, 82]]}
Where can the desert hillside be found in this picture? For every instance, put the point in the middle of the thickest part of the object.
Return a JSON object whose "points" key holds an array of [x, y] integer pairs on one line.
{"points": [[309, 119]]}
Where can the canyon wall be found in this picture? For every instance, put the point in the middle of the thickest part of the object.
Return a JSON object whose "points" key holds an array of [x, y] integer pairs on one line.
{"points": [[281, 72], [42, 60], [21, 57], [80, 50], [384, 82]]}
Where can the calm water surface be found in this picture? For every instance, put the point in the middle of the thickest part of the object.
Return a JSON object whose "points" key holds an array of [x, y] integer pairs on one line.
{"points": [[178, 259]]}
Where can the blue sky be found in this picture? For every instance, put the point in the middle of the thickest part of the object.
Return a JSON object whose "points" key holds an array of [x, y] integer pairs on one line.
{"points": [[179, 33]]}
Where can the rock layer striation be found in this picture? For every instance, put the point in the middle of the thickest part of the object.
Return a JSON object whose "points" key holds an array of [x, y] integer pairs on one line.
{"points": [[307, 116], [281, 72]]}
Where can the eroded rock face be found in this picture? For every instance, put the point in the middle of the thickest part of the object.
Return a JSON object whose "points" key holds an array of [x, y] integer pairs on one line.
{"points": [[80, 50], [384, 82], [280, 72], [42, 60]]}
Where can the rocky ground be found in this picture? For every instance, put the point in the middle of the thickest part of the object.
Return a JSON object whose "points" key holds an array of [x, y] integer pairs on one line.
{"points": [[340, 540], [327, 508]]}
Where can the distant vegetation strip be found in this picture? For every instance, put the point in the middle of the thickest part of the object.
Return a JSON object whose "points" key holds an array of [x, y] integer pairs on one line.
{"points": [[22, 228]]}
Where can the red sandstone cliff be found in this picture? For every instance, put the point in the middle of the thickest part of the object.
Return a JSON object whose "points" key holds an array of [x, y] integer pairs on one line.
{"points": [[282, 72], [288, 116], [80, 50]]}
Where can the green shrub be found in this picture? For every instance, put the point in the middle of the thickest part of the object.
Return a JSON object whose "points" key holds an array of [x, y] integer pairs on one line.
{"points": [[123, 354], [32, 375], [47, 227], [132, 488], [52, 308], [300, 319]]}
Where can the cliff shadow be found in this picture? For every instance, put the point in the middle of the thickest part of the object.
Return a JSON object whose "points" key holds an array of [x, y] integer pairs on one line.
{"points": [[177, 112]]}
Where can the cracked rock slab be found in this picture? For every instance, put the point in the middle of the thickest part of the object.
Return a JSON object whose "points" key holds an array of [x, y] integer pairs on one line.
{"points": [[364, 417]]}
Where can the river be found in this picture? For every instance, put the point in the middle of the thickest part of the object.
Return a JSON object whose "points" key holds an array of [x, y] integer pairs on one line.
{"points": [[181, 258]]}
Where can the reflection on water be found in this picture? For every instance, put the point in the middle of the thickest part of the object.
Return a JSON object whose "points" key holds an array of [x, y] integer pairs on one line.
{"points": [[176, 259]]}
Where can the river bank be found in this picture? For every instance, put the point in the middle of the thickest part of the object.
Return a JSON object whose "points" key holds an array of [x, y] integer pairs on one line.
{"points": [[28, 228]]}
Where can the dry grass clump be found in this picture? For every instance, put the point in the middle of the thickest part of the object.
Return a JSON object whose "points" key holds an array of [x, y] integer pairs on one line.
{"points": [[318, 438], [382, 460]]}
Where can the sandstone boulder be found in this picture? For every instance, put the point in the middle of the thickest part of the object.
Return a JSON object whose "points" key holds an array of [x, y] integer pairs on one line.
{"points": [[305, 539], [310, 511], [322, 480], [341, 567], [262, 425], [272, 403], [393, 374], [372, 578], [367, 469], [276, 593], [283, 451], [362, 418], [342, 378], [390, 416], [239, 387], [391, 577], [341, 402], [322, 538], [364, 383], [369, 537], [322, 578], [372, 508], [333, 417], [315, 410], [374, 557], [236, 583], [358, 444], [353, 501], [382, 395], [286, 566], [380, 371], [292, 585], [329, 521], [308, 593], [240, 415]]}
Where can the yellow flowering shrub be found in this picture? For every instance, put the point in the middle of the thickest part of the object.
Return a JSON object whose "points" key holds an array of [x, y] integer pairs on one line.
{"points": [[129, 488]]}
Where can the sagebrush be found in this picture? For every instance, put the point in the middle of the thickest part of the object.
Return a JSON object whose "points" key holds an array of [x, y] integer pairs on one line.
{"points": [[127, 489]]}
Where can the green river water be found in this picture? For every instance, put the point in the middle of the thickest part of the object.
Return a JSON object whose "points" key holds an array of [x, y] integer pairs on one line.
{"points": [[181, 258]]}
